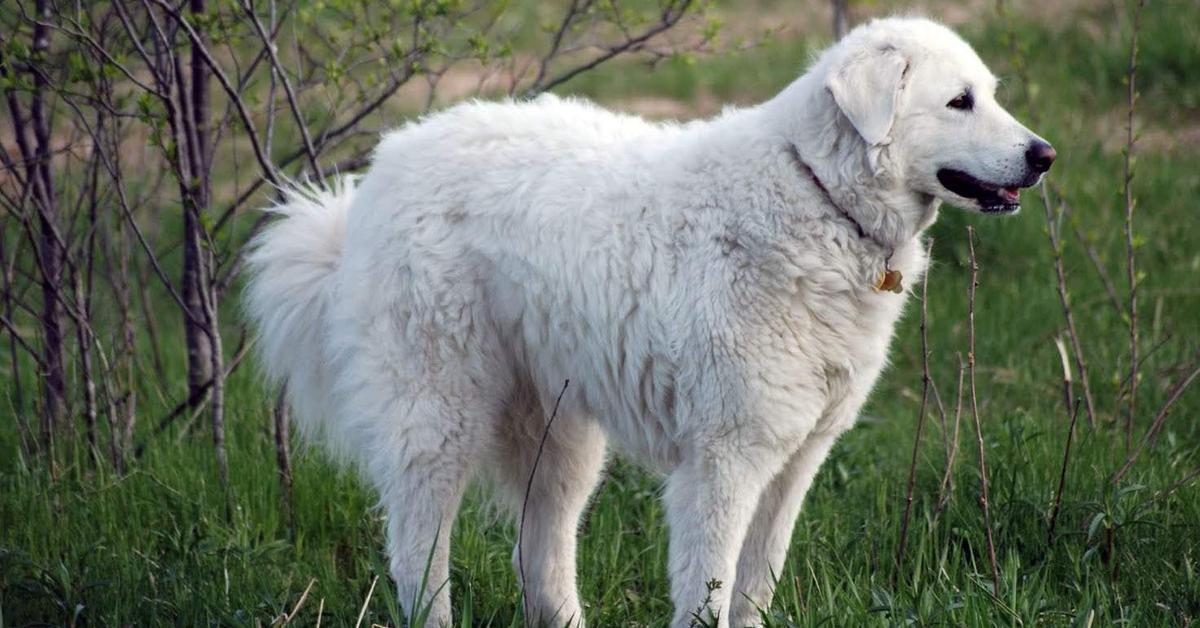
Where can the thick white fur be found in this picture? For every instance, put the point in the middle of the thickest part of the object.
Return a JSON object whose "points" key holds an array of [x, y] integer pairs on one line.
{"points": [[714, 312]]}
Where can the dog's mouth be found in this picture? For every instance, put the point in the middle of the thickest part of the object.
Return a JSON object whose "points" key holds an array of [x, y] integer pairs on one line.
{"points": [[993, 198]]}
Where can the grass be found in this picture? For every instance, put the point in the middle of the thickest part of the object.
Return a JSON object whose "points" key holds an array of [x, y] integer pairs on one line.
{"points": [[154, 547]]}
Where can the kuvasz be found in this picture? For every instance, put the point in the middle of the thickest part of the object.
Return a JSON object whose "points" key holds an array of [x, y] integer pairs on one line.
{"points": [[720, 294]]}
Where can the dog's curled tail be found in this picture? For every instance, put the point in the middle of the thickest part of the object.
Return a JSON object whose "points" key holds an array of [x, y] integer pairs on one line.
{"points": [[291, 286]]}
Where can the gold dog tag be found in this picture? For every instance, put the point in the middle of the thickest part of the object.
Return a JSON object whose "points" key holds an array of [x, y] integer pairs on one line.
{"points": [[889, 281]]}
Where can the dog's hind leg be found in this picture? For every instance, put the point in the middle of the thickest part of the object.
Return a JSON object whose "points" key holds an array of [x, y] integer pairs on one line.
{"points": [[420, 463], [552, 499], [766, 545], [421, 496]]}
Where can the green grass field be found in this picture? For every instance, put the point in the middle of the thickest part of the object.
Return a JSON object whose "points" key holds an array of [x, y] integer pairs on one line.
{"points": [[155, 546]]}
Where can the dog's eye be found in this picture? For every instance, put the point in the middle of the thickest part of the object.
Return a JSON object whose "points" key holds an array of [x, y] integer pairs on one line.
{"points": [[964, 102]]}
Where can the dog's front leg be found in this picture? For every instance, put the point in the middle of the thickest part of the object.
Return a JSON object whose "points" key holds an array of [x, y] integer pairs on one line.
{"points": [[766, 545], [710, 500]]}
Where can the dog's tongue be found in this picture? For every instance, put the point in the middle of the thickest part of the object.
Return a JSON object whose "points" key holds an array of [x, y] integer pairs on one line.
{"points": [[1011, 195]]}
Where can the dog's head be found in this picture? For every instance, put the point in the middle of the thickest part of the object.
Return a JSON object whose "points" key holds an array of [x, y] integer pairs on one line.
{"points": [[914, 90]]}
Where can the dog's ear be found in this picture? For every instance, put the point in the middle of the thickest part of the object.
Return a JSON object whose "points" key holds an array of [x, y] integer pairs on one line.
{"points": [[865, 87]]}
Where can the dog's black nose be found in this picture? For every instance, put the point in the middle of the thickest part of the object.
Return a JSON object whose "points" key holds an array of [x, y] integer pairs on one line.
{"points": [[1040, 156]]}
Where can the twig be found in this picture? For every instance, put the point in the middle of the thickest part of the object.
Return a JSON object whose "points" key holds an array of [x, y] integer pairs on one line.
{"points": [[303, 596], [186, 429], [948, 473], [1131, 80], [1068, 388], [1159, 419], [268, 169], [1088, 247], [269, 45], [326, 138], [912, 467], [16, 337], [669, 17], [1145, 355], [1179, 483], [18, 399], [577, 7], [528, 489], [937, 401], [983, 476], [366, 602], [195, 397], [1056, 247], [1062, 476]]}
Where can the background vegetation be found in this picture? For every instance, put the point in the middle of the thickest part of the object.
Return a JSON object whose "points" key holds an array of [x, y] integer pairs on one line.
{"points": [[137, 488]]}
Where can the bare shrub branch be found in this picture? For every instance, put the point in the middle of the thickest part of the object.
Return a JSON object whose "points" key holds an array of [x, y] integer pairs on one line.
{"points": [[1130, 240]]}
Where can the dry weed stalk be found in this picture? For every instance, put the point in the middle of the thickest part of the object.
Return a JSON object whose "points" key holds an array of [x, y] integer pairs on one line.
{"points": [[529, 489], [983, 474], [1056, 247], [925, 382], [1130, 203], [1160, 418], [947, 485], [367, 602], [1062, 476]]}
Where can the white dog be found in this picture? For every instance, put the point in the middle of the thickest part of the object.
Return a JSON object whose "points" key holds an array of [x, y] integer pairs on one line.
{"points": [[720, 294]]}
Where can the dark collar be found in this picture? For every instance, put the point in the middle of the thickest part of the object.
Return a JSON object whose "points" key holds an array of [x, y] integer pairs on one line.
{"points": [[812, 176], [889, 280]]}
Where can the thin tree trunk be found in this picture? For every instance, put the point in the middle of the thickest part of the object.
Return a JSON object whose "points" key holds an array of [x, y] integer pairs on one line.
{"points": [[83, 299], [283, 457], [129, 402], [199, 344], [18, 395], [213, 324], [115, 247], [841, 21], [51, 250], [204, 267], [86, 376], [194, 101], [143, 275], [123, 417]]}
